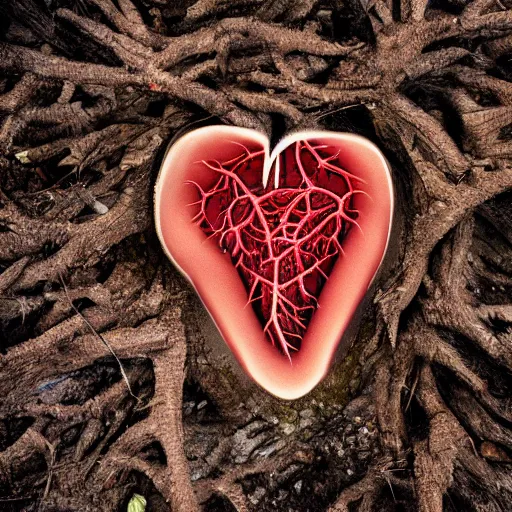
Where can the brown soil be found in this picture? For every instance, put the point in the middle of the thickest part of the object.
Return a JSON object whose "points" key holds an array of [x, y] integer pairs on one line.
{"points": [[112, 380]]}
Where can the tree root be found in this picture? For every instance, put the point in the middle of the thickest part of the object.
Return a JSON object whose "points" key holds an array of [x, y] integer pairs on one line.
{"points": [[89, 96]]}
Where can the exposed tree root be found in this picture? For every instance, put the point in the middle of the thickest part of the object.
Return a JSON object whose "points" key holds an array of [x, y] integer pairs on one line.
{"points": [[91, 92]]}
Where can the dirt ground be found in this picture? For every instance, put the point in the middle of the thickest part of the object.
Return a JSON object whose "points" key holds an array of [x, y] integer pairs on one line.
{"points": [[113, 380]]}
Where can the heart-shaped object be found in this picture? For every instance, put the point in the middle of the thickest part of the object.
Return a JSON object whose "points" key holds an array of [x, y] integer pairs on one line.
{"points": [[280, 247]]}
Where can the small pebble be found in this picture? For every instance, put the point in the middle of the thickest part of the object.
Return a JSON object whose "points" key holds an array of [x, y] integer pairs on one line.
{"points": [[305, 422], [188, 407], [288, 428], [257, 495]]}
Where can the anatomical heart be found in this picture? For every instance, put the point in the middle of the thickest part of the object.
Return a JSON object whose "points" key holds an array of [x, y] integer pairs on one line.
{"points": [[281, 247]]}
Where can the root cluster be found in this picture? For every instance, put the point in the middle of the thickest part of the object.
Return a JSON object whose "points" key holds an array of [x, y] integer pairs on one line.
{"points": [[91, 91]]}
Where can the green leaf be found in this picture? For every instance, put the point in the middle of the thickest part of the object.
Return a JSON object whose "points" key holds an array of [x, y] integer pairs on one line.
{"points": [[137, 503]]}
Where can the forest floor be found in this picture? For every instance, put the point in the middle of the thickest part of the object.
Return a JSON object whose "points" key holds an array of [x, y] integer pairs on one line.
{"points": [[111, 376]]}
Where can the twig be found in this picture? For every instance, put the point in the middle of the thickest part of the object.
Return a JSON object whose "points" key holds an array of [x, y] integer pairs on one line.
{"points": [[102, 339], [51, 449]]}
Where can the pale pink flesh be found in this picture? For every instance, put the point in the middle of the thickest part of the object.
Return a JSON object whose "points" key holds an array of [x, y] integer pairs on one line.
{"points": [[217, 282]]}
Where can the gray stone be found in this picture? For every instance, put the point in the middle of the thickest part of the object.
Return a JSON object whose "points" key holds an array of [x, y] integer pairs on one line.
{"points": [[288, 428], [306, 422], [257, 495]]}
